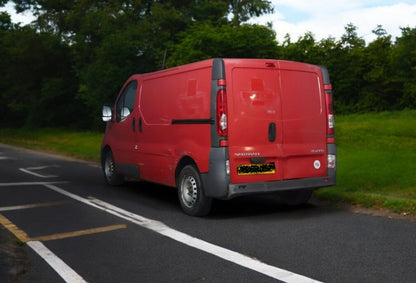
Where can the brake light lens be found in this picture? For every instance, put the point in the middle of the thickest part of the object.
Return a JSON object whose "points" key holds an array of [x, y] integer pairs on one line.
{"points": [[329, 110], [222, 124]]}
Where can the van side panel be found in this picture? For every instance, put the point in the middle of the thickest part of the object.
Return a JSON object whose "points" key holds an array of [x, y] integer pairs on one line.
{"points": [[175, 117]]}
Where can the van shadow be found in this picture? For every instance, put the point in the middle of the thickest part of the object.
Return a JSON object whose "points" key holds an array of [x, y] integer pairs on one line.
{"points": [[166, 199], [261, 205], [151, 195]]}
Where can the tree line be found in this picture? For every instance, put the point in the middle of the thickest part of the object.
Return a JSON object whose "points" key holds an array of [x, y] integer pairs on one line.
{"points": [[75, 56]]}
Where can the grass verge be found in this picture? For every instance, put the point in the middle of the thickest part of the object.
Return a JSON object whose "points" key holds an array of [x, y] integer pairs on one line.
{"points": [[376, 161], [82, 145], [376, 157]]}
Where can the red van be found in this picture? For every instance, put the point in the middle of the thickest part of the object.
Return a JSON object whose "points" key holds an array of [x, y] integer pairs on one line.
{"points": [[222, 128]]}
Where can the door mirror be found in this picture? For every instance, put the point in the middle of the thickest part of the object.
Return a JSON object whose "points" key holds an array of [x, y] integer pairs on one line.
{"points": [[107, 113]]}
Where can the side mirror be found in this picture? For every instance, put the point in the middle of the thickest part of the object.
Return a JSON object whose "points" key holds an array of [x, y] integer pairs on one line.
{"points": [[107, 113]]}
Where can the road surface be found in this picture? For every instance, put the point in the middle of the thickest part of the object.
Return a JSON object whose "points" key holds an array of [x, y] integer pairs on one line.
{"points": [[75, 228]]}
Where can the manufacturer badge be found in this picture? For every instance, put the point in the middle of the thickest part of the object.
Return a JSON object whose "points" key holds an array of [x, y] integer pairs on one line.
{"points": [[317, 164]]}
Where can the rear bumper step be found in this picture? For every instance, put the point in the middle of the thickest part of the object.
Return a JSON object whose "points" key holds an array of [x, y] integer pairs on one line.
{"points": [[276, 186]]}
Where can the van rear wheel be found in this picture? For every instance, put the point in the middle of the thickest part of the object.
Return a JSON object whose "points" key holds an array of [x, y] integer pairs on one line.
{"points": [[295, 197], [109, 168], [191, 194]]}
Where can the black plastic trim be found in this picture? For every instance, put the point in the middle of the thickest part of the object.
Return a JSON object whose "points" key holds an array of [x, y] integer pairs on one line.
{"points": [[218, 73], [192, 121], [130, 170], [276, 186], [325, 75], [215, 182]]}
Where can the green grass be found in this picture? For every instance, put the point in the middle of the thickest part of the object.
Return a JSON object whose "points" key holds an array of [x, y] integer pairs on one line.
{"points": [[376, 157], [77, 144], [376, 161]]}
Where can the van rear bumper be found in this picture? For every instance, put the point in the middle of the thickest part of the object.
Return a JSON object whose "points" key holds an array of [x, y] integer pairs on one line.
{"points": [[217, 183], [235, 190]]}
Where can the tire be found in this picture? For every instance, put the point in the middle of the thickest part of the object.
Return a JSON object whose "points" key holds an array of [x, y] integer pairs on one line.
{"points": [[296, 197], [191, 194], [109, 169]]}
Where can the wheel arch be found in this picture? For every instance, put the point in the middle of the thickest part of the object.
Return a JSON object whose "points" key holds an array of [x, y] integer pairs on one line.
{"points": [[184, 161]]}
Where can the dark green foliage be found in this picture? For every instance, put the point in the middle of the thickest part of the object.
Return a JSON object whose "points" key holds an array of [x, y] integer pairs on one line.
{"points": [[37, 85], [403, 63], [77, 54], [375, 77], [206, 41]]}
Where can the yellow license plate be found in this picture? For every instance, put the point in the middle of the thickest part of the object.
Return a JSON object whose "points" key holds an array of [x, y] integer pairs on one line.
{"points": [[255, 169]]}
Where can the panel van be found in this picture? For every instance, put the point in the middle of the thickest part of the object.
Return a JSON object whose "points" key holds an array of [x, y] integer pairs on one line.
{"points": [[222, 128]]}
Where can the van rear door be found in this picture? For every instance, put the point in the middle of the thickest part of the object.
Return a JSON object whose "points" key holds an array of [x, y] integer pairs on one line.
{"points": [[304, 120], [276, 122], [255, 130]]}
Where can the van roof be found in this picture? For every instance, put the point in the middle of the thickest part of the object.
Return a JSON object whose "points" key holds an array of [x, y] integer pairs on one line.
{"points": [[208, 63]]}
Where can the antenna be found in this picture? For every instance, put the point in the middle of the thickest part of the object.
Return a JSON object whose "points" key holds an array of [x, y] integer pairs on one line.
{"points": [[164, 59]]}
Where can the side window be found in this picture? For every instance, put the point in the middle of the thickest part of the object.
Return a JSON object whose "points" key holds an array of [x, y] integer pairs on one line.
{"points": [[125, 103]]}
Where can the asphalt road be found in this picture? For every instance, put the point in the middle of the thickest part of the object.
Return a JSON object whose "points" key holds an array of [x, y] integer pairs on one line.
{"points": [[75, 228]]}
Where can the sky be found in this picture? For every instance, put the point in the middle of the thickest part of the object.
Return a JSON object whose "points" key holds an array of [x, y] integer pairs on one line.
{"points": [[328, 18], [324, 18]]}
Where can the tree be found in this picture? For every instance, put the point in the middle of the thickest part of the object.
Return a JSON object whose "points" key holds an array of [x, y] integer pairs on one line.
{"points": [[206, 41], [303, 50], [377, 92], [350, 39], [243, 10], [110, 40], [404, 66], [79, 53], [37, 82], [348, 71], [211, 11]]}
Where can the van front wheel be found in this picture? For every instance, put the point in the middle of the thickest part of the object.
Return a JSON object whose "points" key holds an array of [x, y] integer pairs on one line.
{"points": [[191, 194], [109, 168]]}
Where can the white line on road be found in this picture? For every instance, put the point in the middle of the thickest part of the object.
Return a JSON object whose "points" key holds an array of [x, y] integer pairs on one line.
{"points": [[19, 184], [163, 229], [30, 170], [32, 205], [66, 272]]}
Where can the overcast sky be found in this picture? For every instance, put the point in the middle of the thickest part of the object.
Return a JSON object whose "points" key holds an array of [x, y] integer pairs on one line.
{"points": [[326, 18]]}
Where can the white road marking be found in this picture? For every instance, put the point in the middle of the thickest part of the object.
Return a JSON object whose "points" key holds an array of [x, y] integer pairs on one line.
{"points": [[18, 184], [32, 205], [163, 229], [66, 272], [30, 170], [3, 157]]}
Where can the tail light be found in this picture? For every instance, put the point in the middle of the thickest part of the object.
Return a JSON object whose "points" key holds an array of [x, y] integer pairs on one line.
{"points": [[331, 160], [330, 138], [329, 111], [222, 125]]}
